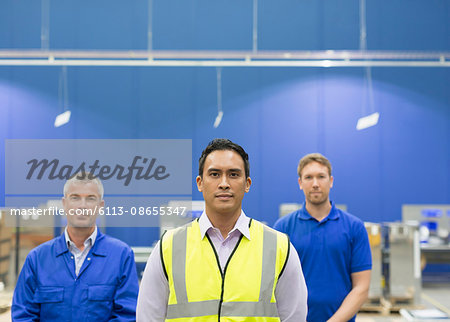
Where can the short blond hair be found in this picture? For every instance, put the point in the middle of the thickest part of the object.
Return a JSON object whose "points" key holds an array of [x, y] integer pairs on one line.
{"points": [[313, 157]]}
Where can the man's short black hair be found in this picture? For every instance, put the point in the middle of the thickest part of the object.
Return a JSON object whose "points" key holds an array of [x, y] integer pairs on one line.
{"points": [[223, 144]]}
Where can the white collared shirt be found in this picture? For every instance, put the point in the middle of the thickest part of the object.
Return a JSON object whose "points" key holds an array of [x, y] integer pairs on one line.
{"points": [[224, 247], [290, 292], [78, 255]]}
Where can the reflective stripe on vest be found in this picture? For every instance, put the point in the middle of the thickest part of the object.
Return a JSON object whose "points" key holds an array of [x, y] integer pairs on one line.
{"points": [[264, 307]]}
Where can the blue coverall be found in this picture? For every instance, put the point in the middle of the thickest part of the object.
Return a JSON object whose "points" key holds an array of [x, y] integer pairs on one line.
{"points": [[105, 289]]}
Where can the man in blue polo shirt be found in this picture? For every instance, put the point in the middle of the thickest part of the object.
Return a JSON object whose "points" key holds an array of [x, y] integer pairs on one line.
{"points": [[333, 246]]}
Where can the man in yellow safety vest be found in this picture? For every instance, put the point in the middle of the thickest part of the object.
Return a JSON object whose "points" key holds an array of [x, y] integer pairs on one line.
{"points": [[223, 266]]}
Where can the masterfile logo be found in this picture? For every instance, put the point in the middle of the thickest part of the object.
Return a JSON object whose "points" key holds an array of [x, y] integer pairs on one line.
{"points": [[129, 167], [146, 171], [140, 177]]}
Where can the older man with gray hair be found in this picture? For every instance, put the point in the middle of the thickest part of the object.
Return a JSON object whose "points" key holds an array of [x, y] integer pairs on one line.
{"points": [[82, 275]]}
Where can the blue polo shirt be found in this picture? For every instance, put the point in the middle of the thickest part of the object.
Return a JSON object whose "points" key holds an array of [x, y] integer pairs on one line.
{"points": [[330, 251]]}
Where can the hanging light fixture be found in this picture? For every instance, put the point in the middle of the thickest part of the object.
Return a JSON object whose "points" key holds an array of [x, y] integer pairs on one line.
{"points": [[372, 118], [367, 121], [63, 95], [219, 116]]}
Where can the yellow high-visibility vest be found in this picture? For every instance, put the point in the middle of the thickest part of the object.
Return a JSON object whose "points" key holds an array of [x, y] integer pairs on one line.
{"points": [[245, 291]]}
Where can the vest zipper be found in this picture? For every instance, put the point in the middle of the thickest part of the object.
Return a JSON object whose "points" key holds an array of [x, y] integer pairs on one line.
{"points": [[224, 270]]}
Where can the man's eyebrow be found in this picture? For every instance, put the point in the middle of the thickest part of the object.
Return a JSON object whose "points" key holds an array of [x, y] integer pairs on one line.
{"points": [[228, 170], [316, 173], [81, 195], [214, 170]]}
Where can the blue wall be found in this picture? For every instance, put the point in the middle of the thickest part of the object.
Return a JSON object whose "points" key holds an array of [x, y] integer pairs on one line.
{"points": [[277, 114]]}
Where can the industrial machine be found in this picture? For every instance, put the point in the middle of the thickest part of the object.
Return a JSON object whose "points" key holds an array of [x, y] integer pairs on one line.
{"points": [[396, 272], [434, 222]]}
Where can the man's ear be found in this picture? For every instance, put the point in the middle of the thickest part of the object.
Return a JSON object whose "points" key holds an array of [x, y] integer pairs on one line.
{"points": [[248, 183], [300, 183], [199, 183]]}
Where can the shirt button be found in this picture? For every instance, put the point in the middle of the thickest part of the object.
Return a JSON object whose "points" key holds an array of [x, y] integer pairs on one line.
{"points": [[71, 257], [89, 258]]}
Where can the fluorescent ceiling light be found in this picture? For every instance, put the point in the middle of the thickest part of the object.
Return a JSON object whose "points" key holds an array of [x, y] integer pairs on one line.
{"points": [[367, 121], [218, 119], [62, 119], [326, 63]]}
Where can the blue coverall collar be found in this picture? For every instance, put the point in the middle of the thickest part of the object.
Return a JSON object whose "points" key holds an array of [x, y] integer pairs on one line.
{"points": [[61, 245]]}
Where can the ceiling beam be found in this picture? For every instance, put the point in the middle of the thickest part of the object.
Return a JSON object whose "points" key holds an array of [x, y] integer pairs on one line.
{"points": [[327, 58]]}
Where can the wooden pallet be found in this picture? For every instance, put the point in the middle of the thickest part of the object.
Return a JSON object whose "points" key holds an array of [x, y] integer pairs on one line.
{"points": [[5, 301], [4, 308], [385, 307]]}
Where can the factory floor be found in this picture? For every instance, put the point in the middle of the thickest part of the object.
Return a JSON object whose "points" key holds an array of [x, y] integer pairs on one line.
{"points": [[433, 296]]}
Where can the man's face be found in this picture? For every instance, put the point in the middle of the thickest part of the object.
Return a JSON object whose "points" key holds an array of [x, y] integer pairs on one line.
{"points": [[82, 203], [316, 183], [223, 184]]}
